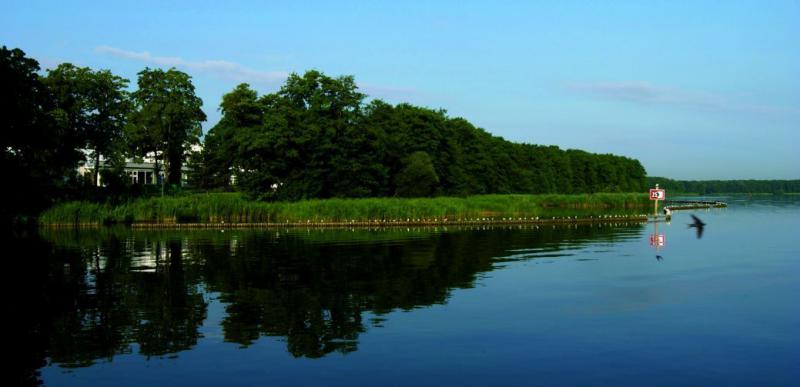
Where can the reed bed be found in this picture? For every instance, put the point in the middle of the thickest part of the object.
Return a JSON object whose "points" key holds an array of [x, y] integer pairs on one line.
{"points": [[233, 208]]}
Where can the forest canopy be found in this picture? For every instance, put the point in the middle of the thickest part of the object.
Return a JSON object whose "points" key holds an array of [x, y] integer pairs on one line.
{"points": [[319, 137]]}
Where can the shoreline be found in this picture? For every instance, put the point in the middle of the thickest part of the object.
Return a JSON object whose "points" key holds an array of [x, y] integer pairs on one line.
{"points": [[234, 210], [214, 212], [366, 224]]}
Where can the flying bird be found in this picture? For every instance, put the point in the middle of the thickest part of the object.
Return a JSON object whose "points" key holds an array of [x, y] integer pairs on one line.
{"points": [[698, 224]]}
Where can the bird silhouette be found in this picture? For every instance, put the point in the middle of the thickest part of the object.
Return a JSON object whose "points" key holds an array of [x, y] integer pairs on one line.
{"points": [[699, 225], [659, 258]]}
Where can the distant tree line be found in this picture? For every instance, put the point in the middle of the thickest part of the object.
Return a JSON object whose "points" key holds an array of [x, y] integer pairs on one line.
{"points": [[710, 187], [319, 137]]}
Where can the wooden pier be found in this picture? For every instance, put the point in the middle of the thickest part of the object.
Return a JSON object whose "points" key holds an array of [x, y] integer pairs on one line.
{"points": [[677, 205], [673, 205]]}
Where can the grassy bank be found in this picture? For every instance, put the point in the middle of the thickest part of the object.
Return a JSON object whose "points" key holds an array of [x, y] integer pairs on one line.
{"points": [[234, 208]]}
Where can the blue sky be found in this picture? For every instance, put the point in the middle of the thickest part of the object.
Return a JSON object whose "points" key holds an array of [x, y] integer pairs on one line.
{"points": [[695, 90]]}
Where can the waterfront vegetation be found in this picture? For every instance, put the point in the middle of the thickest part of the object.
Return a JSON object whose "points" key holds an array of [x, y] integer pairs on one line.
{"points": [[236, 208], [316, 150], [317, 137]]}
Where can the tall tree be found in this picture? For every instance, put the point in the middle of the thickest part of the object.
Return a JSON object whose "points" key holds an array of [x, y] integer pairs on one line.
{"points": [[240, 109], [111, 105], [167, 118], [310, 143], [69, 87], [94, 103]]}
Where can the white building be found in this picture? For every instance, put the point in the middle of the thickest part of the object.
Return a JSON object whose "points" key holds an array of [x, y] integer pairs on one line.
{"points": [[142, 173], [139, 172]]}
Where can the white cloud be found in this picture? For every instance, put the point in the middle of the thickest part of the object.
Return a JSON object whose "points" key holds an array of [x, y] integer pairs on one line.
{"points": [[647, 93], [238, 73], [219, 68], [628, 91]]}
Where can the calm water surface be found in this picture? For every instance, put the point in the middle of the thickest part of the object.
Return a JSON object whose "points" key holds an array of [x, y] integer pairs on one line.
{"points": [[429, 306]]}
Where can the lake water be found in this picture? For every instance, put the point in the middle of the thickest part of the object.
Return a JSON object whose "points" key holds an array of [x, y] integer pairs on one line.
{"points": [[588, 305]]}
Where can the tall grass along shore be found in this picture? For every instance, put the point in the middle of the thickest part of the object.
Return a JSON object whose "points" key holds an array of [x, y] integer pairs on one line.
{"points": [[233, 208]]}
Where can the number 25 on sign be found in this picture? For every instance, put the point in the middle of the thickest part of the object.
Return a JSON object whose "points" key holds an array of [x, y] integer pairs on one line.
{"points": [[657, 194]]}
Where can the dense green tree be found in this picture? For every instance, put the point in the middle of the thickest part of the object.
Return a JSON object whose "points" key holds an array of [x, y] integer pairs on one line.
{"points": [[111, 105], [167, 118], [310, 143], [93, 103], [317, 138], [240, 109], [68, 87], [39, 151], [418, 177]]}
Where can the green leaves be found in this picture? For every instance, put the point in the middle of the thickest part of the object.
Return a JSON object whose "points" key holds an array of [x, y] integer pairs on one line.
{"points": [[316, 138], [91, 107], [167, 117], [37, 145], [417, 178]]}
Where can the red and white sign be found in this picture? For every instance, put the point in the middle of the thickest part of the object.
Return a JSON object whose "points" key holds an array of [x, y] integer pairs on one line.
{"points": [[658, 240], [657, 194]]}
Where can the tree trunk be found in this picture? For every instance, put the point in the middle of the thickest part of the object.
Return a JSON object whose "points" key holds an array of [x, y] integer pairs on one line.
{"points": [[175, 169], [158, 178], [155, 168], [96, 168]]}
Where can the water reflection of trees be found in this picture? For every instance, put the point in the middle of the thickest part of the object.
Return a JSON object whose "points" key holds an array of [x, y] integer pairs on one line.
{"points": [[314, 295], [93, 300], [109, 292]]}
